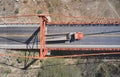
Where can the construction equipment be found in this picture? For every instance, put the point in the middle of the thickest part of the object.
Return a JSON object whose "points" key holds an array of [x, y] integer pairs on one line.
{"points": [[63, 37], [98, 36]]}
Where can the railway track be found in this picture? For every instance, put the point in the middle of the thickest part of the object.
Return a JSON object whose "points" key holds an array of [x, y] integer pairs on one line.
{"points": [[28, 34], [91, 38], [98, 39]]}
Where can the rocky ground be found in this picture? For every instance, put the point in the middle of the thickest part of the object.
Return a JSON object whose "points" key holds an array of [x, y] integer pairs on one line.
{"points": [[94, 8], [21, 67], [69, 67]]}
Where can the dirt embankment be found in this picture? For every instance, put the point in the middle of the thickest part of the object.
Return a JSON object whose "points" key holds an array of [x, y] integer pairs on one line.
{"points": [[95, 8], [13, 67]]}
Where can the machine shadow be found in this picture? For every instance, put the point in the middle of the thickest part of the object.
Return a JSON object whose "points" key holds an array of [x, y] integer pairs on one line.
{"points": [[102, 33], [30, 43], [67, 53], [33, 39]]}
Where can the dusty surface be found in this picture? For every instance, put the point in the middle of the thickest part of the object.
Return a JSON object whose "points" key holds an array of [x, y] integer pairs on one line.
{"points": [[13, 67], [95, 8]]}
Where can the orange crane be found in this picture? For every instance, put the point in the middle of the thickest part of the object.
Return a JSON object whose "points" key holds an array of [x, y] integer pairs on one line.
{"points": [[43, 49], [77, 36]]}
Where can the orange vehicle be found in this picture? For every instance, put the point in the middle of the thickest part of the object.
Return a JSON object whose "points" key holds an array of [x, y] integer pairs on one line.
{"points": [[62, 37], [78, 35]]}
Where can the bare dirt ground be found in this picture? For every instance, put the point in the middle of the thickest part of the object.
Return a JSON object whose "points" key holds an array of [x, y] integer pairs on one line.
{"points": [[13, 67], [95, 8]]}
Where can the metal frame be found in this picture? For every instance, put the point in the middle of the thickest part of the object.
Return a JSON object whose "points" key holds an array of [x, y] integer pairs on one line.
{"points": [[44, 50]]}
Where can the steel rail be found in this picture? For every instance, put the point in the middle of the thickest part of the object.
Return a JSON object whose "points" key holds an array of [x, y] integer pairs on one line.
{"points": [[65, 56], [96, 35], [109, 20], [83, 22], [72, 49], [87, 55], [65, 23], [84, 49], [44, 49], [64, 47], [61, 15]]}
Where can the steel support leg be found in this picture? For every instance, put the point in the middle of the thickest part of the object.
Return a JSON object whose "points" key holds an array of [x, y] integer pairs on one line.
{"points": [[43, 49]]}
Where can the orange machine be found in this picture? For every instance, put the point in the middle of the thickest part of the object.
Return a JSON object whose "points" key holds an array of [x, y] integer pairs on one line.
{"points": [[78, 35], [68, 36], [57, 37]]}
